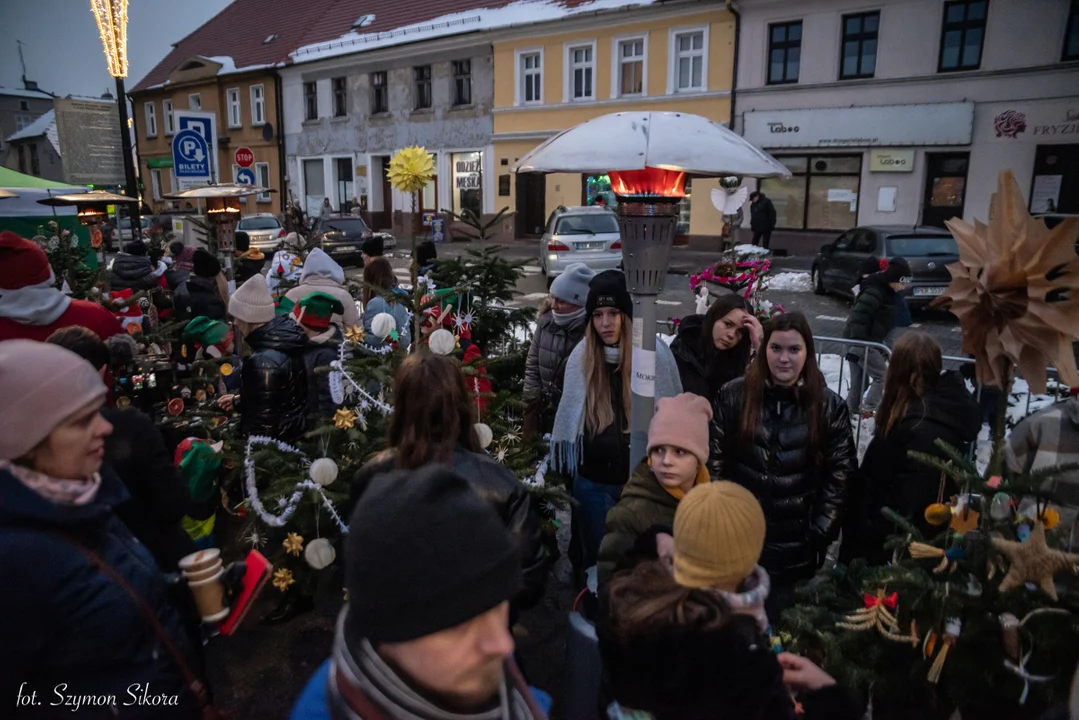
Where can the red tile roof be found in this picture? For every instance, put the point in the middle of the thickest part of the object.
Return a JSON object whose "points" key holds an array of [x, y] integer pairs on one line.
{"points": [[239, 31]]}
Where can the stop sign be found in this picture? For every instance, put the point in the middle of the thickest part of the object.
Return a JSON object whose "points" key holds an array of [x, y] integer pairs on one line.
{"points": [[244, 157]]}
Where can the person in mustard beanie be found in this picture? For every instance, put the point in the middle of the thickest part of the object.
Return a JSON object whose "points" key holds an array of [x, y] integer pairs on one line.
{"points": [[718, 539], [676, 462]]}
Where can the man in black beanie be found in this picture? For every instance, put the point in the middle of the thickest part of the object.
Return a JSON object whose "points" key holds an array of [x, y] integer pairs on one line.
{"points": [[132, 269], [371, 248], [425, 634], [203, 293]]}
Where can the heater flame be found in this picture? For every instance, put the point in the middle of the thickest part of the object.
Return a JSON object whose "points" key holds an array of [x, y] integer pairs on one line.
{"points": [[651, 181]]}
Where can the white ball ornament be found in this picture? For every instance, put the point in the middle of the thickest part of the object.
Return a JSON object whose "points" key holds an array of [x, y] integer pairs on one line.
{"points": [[319, 553], [442, 342], [324, 471], [382, 325], [484, 433]]}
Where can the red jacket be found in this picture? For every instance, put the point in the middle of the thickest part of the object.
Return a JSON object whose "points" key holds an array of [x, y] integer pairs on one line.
{"points": [[79, 312]]}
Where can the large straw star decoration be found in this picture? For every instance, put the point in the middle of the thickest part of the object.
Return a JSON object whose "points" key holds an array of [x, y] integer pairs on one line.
{"points": [[411, 169], [1015, 291], [1033, 561]]}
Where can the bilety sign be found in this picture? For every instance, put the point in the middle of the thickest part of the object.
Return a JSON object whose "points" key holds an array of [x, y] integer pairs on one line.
{"points": [[891, 161], [868, 126], [1047, 122], [191, 157]]}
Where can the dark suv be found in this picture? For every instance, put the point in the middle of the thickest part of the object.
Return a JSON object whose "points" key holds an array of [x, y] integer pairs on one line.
{"points": [[341, 237]]}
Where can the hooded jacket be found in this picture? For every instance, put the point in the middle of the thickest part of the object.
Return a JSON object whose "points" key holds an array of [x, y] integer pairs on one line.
{"points": [[64, 621], [273, 381], [692, 366], [506, 494], [889, 477], [199, 296], [247, 265], [644, 503], [762, 214], [551, 345], [321, 351], [132, 272], [802, 497], [322, 274], [873, 315]]}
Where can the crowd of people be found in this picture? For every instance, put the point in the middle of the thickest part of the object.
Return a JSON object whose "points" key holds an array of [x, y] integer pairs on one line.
{"points": [[750, 475]]}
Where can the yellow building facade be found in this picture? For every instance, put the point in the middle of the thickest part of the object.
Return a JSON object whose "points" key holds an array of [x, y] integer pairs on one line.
{"points": [[559, 74]]}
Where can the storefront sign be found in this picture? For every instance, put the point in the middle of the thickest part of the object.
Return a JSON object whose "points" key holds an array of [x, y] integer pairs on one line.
{"points": [[1053, 122], [466, 174], [891, 161], [930, 124]]}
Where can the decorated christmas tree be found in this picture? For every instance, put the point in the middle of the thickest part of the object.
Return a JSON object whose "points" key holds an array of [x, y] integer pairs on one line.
{"points": [[972, 617]]}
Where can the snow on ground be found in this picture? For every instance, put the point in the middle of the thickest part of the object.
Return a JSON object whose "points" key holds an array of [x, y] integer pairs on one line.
{"points": [[789, 282], [747, 249]]}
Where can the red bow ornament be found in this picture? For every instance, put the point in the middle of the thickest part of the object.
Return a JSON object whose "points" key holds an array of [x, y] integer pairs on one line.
{"points": [[889, 601]]}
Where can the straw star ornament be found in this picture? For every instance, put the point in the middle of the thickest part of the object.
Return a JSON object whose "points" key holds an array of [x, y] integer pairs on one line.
{"points": [[411, 169], [1015, 291]]}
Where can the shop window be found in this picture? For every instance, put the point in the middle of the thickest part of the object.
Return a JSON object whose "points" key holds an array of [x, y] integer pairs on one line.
{"points": [[1071, 34], [821, 194], [858, 53], [963, 35], [685, 205], [467, 182], [1055, 184], [343, 171], [596, 190], [784, 52]]}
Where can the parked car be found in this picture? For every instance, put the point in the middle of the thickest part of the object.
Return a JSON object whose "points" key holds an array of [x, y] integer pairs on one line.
{"points": [[264, 230], [929, 251], [340, 236], [580, 234], [125, 228]]}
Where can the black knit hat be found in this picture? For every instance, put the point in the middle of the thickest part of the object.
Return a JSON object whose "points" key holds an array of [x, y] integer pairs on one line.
{"points": [[424, 553], [608, 289], [372, 246], [897, 269], [135, 247], [242, 243], [205, 264]]}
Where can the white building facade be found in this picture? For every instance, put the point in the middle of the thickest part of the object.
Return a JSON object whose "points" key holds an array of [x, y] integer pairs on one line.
{"points": [[906, 111]]}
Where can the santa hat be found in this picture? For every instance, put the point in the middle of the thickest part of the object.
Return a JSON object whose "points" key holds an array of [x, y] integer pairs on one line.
{"points": [[22, 263], [129, 314], [315, 310]]}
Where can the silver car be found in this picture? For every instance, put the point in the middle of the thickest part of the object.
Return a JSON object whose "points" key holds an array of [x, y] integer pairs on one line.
{"points": [[587, 235], [264, 230]]}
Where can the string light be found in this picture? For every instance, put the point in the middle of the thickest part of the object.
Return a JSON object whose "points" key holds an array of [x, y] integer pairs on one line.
{"points": [[111, 16]]}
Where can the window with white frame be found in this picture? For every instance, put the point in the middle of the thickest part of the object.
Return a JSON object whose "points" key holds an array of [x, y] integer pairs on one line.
{"points": [[235, 120], [262, 178], [170, 121], [581, 72], [155, 182], [689, 61], [531, 72], [151, 120], [630, 63], [194, 101], [258, 105]]}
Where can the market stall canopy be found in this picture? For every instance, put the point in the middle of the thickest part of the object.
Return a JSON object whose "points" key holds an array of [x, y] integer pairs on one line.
{"points": [[217, 191], [92, 196], [664, 140], [11, 179]]}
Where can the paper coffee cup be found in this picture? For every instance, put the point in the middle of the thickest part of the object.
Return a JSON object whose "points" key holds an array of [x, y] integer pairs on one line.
{"points": [[200, 560], [209, 597], [203, 574]]}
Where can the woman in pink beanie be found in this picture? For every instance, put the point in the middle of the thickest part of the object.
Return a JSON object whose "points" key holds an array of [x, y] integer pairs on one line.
{"points": [[68, 565], [676, 462]]}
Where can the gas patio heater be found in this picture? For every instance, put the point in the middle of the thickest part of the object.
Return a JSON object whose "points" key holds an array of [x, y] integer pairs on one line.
{"points": [[223, 209], [648, 156], [93, 209]]}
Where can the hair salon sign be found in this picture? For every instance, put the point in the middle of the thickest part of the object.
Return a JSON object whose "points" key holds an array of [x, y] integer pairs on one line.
{"points": [[1041, 123]]}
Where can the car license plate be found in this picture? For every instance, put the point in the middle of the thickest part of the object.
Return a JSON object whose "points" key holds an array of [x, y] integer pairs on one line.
{"points": [[591, 245], [929, 290], [345, 249]]}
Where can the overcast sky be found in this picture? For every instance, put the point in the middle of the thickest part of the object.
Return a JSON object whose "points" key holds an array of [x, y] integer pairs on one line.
{"points": [[63, 50]]}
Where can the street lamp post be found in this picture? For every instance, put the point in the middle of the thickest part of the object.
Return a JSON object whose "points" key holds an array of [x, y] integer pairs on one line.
{"points": [[111, 16]]}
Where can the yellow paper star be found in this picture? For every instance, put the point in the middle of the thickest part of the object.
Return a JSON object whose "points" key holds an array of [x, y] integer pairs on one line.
{"points": [[1033, 561], [344, 419], [411, 169], [354, 334], [282, 579], [293, 544]]}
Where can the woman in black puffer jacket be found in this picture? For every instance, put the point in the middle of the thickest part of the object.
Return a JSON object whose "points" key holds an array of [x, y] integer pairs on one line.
{"points": [[784, 435], [433, 422], [714, 348]]}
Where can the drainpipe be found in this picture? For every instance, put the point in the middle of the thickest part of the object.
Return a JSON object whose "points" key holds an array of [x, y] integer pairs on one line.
{"points": [[281, 166], [734, 70]]}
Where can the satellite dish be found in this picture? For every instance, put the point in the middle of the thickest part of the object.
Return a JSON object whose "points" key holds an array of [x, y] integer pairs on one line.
{"points": [[267, 132]]}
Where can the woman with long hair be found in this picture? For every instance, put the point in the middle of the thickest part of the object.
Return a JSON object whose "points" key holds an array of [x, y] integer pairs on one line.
{"points": [[378, 276], [590, 439], [921, 404], [433, 421], [714, 348], [784, 435]]}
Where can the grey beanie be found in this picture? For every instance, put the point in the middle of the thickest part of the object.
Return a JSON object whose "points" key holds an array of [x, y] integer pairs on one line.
{"points": [[572, 285]]}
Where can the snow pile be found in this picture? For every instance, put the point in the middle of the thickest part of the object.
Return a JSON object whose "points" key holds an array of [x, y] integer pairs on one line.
{"points": [[789, 282], [745, 249]]}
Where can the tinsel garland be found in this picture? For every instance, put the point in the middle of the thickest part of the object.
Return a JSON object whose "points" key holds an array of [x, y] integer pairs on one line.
{"points": [[293, 502]]}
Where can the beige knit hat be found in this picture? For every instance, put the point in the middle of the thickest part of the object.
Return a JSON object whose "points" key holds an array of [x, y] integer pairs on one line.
{"points": [[682, 422], [252, 302], [718, 536], [41, 385]]}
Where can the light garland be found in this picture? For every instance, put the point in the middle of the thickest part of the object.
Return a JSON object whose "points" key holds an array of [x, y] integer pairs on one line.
{"points": [[111, 16], [290, 505]]}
